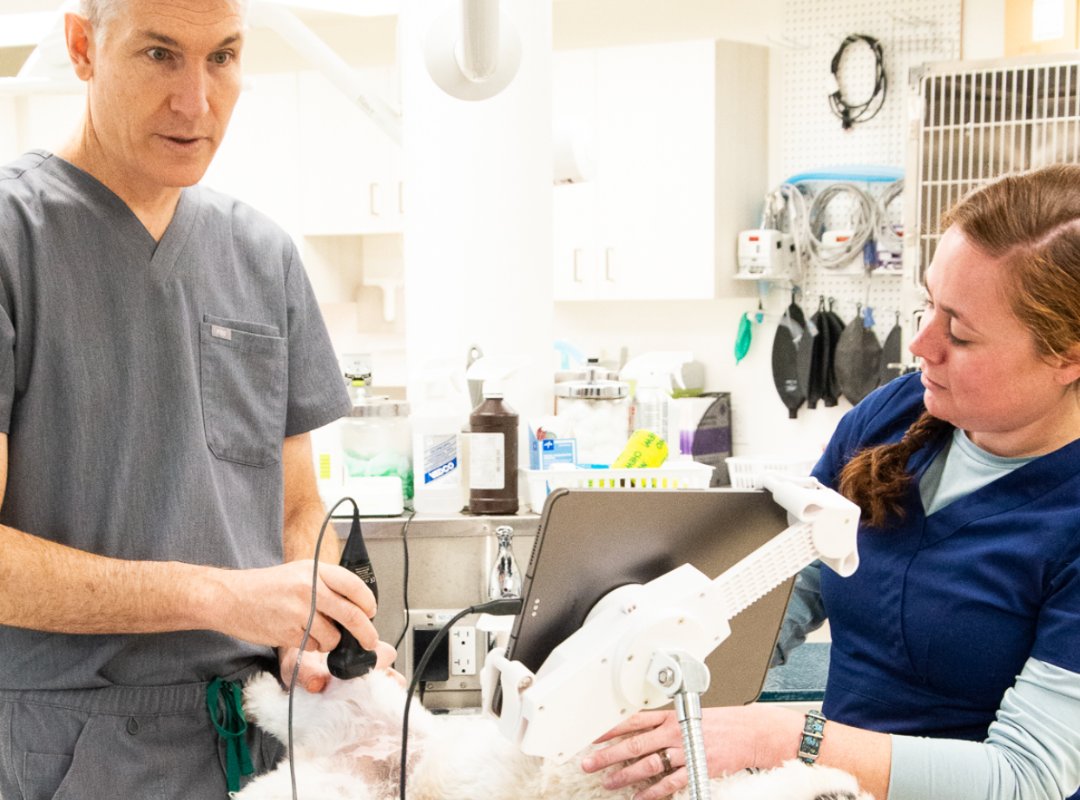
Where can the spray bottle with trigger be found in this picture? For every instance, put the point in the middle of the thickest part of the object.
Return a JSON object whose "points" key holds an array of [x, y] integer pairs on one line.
{"points": [[652, 405], [349, 659]]}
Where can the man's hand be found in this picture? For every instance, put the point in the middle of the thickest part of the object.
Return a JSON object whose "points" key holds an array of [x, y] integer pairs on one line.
{"points": [[314, 676], [271, 605]]}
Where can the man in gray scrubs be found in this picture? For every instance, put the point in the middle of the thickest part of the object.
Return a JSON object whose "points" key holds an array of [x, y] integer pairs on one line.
{"points": [[162, 360]]}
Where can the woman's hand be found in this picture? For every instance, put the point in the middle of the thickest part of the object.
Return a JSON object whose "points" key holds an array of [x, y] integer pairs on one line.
{"points": [[735, 738]]}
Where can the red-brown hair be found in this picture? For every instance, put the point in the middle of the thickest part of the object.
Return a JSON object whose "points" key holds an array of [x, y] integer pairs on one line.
{"points": [[1031, 220]]}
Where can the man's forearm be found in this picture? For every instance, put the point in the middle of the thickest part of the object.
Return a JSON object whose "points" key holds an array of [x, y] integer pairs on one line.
{"points": [[301, 534], [51, 587], [47, 586], [304, 512]]}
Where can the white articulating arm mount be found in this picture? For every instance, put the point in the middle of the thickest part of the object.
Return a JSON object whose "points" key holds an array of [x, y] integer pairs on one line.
{"points": [[329, 63], [613, 666]]}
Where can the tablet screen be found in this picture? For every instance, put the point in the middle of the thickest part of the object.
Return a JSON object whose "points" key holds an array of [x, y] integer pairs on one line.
{"points": [[591, 541]]}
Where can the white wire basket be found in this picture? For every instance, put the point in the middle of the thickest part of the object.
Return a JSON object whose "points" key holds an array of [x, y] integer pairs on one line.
{"points": [[674, 475], [743, 469]]}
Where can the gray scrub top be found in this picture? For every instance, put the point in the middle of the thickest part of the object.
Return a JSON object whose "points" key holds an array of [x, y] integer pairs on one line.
{"points": [[146, 389]]}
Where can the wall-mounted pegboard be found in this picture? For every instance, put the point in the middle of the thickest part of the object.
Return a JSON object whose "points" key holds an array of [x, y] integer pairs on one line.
{"points": [[911, 33]]}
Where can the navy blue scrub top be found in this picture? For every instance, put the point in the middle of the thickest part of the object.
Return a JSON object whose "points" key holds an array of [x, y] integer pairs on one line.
{"points": [[944, 610]]}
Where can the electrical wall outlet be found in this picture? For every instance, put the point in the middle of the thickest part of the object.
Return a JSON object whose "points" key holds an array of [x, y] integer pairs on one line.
{"points": [[463, 650], [452, 676]]}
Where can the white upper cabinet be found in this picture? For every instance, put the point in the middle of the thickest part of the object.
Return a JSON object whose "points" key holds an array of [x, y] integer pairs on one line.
{"points": [[644, 227], [350, 176], [259, 160], [299, 150], [574, 208]]}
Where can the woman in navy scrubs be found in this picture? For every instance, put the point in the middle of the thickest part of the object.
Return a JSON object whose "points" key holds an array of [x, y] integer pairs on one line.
{"points": [[955, 662]]}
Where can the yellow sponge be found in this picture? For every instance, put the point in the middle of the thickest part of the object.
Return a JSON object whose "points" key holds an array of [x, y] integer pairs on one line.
{"points": [[645, 449]]}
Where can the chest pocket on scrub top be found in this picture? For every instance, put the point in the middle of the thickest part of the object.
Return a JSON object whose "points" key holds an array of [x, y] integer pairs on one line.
{"points": [[244, 376]]}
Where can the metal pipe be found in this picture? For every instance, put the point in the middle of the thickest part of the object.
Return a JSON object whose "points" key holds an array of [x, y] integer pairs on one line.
{"points": [[477, 52]]}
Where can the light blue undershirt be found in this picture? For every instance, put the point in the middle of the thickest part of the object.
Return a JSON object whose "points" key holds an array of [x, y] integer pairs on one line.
{"points": [[961, 468], [1033, 747]]}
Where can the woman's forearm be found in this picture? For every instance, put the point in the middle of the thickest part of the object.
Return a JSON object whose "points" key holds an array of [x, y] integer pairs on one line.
{"points": [[865, 754]]}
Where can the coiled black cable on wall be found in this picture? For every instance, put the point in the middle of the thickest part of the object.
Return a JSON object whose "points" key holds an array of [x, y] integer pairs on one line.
{"points": [[848, 113]]}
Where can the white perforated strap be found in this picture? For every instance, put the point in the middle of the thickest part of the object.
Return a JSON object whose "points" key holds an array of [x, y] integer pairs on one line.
{"points": [[767, 567]]}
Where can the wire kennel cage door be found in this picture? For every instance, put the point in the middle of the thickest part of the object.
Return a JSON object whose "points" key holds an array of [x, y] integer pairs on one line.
{"points": [[972, 121]]}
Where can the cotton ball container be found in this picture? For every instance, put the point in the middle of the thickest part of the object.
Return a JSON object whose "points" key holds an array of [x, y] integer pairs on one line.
{"points": [[597, 414]]}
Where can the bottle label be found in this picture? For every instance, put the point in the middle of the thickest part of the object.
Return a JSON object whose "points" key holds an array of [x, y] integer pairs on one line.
{"points": [[653, 417], [440, 457], [487, 460]]}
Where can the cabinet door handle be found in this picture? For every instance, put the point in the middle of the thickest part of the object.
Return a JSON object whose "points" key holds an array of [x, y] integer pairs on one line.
{"points": [[609, 263], [375, 197], [401, 197], [577, 265]]}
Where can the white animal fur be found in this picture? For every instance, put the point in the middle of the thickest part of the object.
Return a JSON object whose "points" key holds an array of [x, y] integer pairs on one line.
{"points": [[347, 743]]}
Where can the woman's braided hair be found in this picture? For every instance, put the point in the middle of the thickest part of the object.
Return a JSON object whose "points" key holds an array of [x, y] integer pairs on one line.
{"points": [[1031, 220]]}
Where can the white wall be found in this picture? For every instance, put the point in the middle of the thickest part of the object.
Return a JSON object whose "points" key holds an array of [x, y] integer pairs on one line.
{"points": [[478, 235], [608, 23], [42, 121], [9, 144], [983, 29], [761, 424], [706, 327]]}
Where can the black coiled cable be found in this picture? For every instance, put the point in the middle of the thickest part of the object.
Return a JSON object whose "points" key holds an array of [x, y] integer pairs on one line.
{"points": [[848, 113]]}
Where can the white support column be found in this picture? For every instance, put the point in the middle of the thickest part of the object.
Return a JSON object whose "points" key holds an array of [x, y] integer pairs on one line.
{"points": [[478, 183]]}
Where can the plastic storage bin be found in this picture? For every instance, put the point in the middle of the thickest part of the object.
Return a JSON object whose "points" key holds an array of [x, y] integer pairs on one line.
{"points": [[675, 475], [742, 469]]}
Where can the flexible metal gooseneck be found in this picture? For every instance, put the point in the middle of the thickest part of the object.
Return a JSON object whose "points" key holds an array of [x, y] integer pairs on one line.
{"points": [[685, 678], [688, 712]]}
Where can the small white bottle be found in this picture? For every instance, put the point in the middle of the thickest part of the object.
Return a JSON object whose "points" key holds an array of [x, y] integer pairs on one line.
{"points": [[436, 430], [653, 407]]}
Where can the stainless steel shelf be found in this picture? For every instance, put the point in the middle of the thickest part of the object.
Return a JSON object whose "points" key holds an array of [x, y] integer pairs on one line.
{"points": [[439, 526]]}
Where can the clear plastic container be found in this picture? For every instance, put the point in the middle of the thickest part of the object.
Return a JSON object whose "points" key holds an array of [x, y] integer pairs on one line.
{"points": [[597, 414], [376, 441]]}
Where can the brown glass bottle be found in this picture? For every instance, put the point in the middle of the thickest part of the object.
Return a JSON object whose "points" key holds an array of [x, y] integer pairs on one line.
{"points": [[493, 457]]}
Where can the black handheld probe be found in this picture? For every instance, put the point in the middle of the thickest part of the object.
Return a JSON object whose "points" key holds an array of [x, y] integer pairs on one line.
{"points": [[349, 659]]}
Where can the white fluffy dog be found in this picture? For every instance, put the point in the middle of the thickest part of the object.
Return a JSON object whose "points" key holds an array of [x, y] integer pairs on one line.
{"points": [[347, 746]]}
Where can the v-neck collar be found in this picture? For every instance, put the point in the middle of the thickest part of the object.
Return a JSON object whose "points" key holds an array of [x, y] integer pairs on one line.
{"points": [[1017, 488], [175, 238], [162, 254]]}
